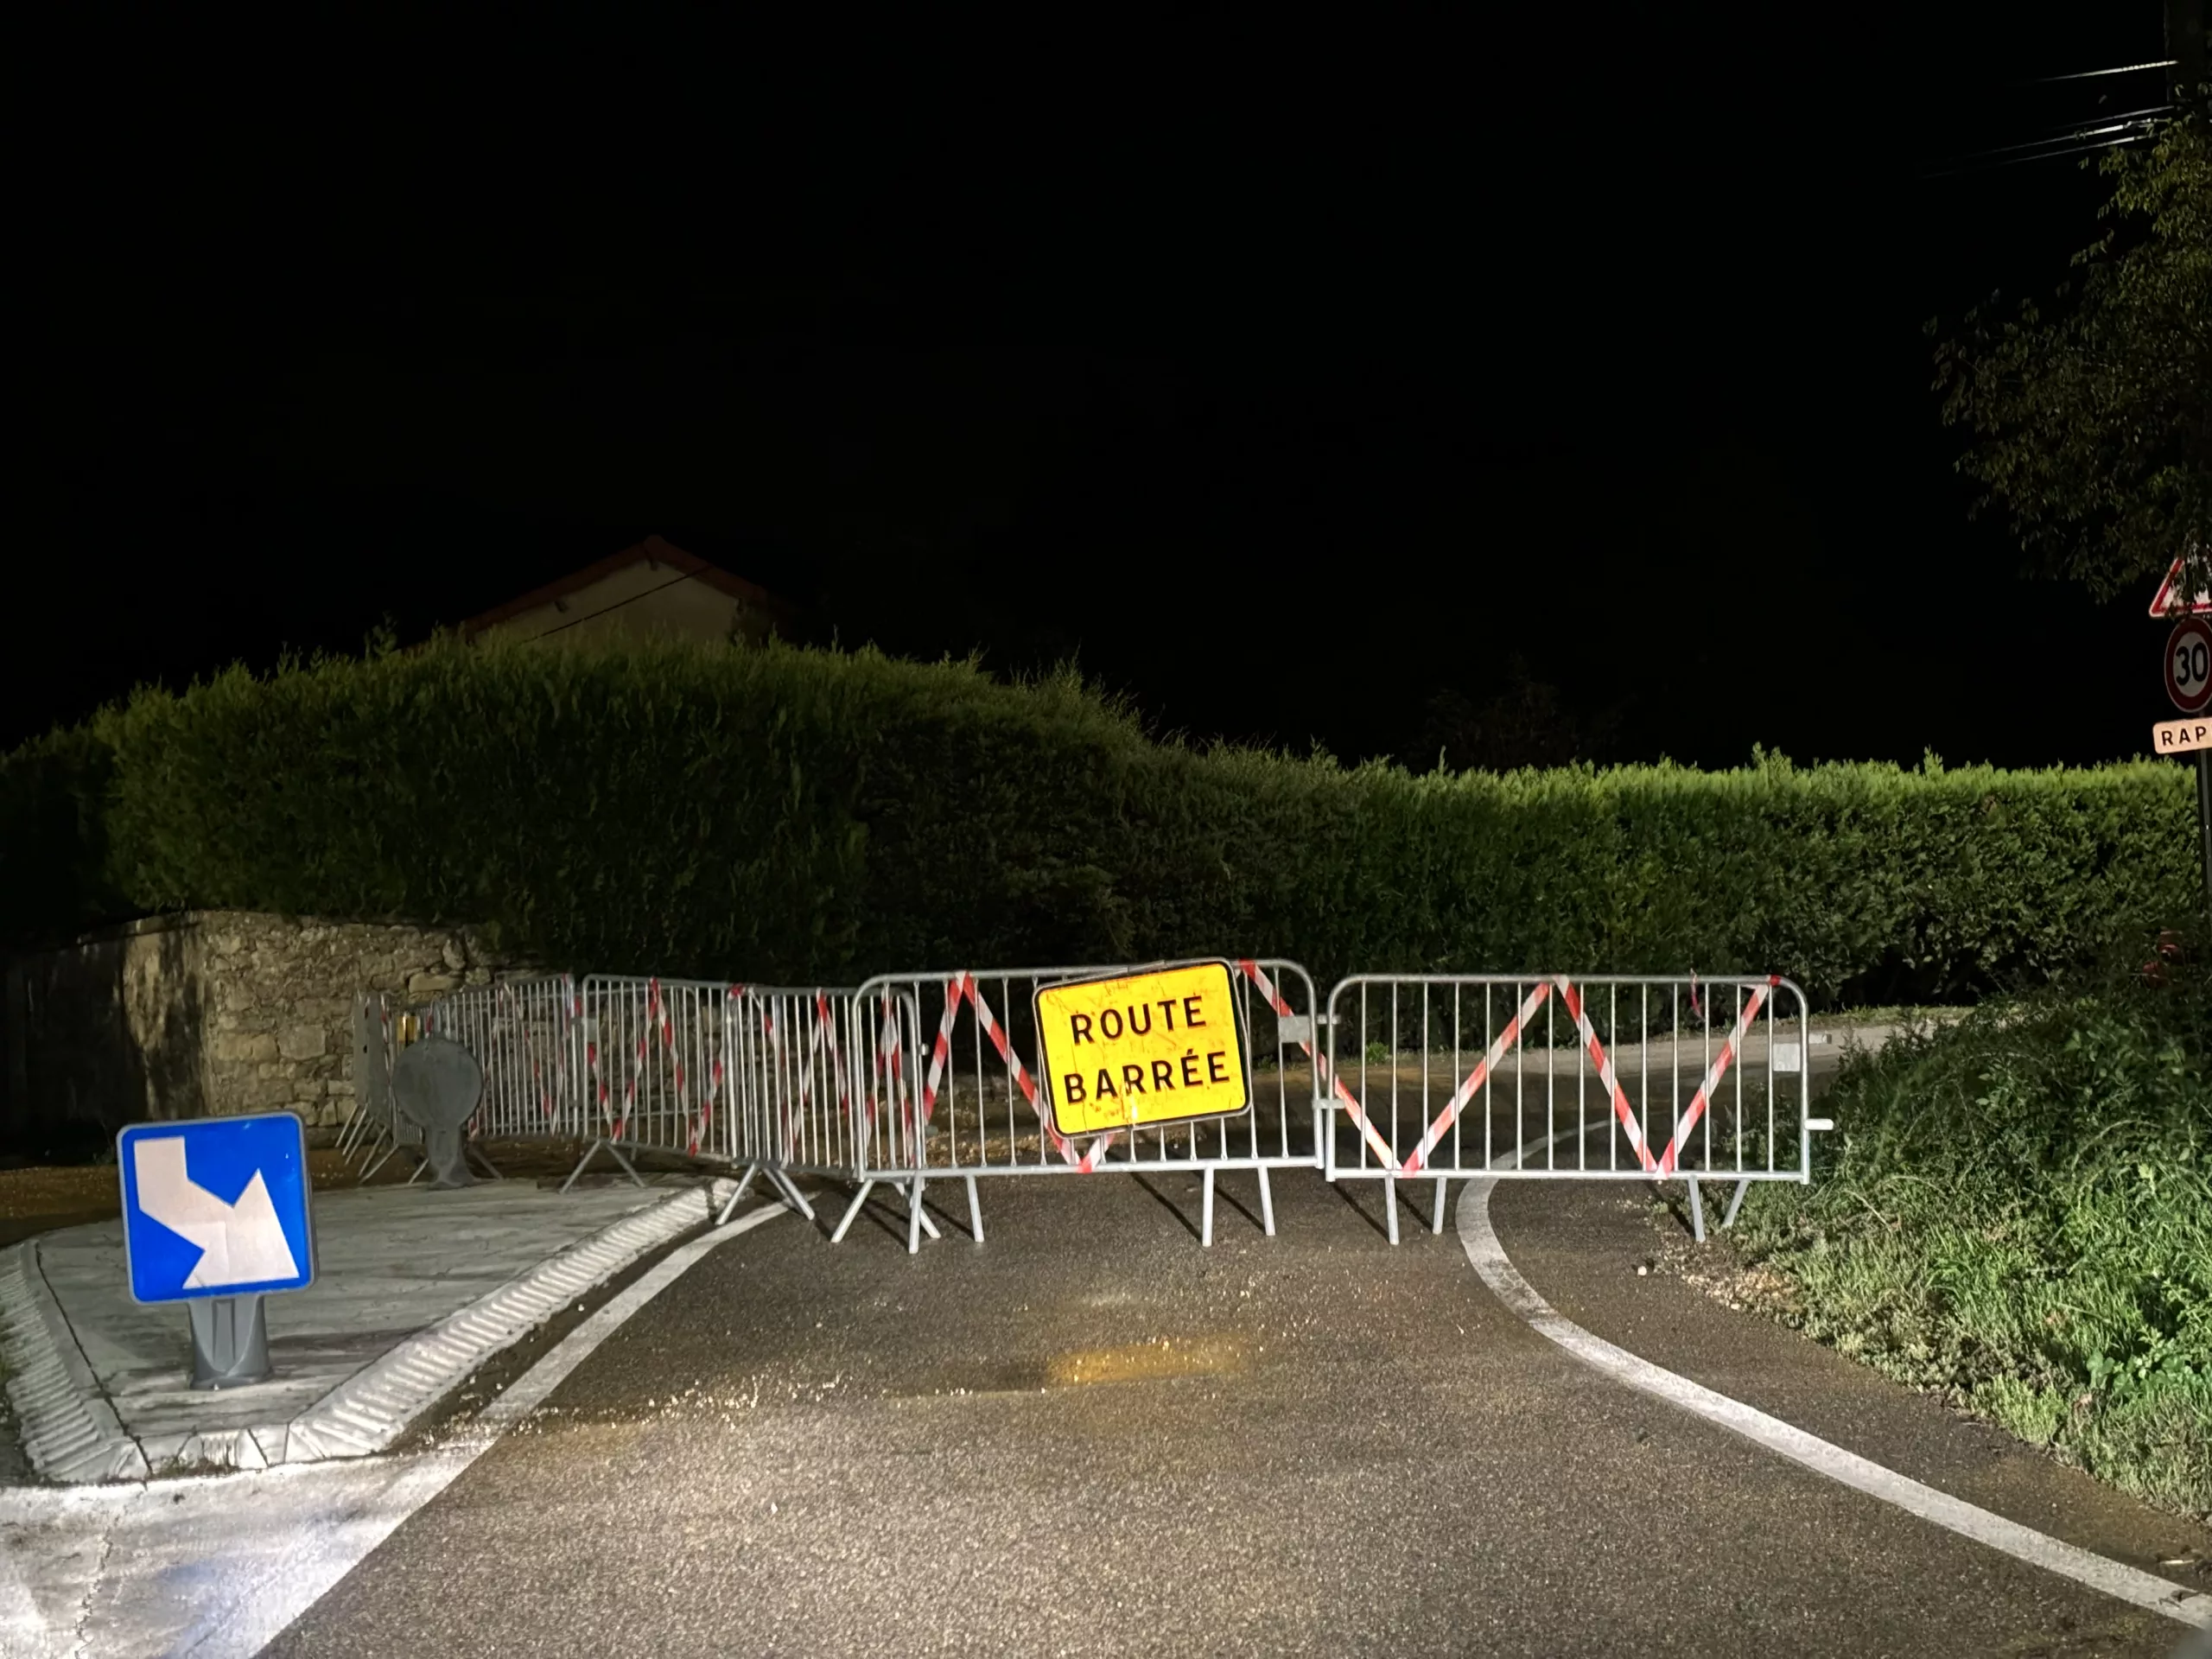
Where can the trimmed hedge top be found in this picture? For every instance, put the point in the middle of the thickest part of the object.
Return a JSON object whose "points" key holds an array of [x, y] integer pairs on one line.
{"points": [[777, 813]]}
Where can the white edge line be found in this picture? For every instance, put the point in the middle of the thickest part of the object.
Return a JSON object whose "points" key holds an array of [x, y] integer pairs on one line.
{"points": [[530, 1389], [337, 1545], [369, 1410], [2039, 1549]]}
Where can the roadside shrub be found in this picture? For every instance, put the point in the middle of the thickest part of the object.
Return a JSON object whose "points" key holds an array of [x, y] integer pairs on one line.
{"points": [[2016, 1210], [53, 797], [782, 813]]}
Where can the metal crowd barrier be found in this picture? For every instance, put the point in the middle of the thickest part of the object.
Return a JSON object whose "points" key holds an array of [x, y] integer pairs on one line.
{"points": [[523, 1033], [373, 1133], [952, 1087], [747, 1074], [1605, 1076], [916, 1077], [371, 1124]]}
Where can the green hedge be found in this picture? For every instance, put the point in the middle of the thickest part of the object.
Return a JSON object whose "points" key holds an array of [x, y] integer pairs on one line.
{"points": [[792, 814]]}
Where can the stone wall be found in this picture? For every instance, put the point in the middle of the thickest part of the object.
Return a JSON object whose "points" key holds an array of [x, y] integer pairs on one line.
{"points": [[208, 1012]]}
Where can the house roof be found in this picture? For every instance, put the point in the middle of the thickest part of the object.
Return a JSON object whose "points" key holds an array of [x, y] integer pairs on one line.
{"points": [[653, 548]]}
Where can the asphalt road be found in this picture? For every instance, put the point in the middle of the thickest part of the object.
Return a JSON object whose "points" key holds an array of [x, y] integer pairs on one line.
{"points": [[1088, 1435]]}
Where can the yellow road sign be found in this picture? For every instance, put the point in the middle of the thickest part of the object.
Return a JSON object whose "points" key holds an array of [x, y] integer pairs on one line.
{"points": [[1160, 1046]]}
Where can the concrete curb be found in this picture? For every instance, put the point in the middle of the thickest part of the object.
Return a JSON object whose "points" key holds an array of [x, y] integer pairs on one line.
{"points": [[370, 1408], [71, 1433]]}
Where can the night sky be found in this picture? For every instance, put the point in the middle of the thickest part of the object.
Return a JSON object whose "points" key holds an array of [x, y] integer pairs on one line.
{"points": [[1305, 387]]}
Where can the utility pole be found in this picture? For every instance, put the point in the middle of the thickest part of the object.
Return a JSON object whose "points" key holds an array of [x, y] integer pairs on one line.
{"points": [[2204, 815], [2184, 76]]}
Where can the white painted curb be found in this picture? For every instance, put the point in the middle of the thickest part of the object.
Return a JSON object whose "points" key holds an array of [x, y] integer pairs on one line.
{"points": [[71, 1433], [250, 1552], [373, 1407]]}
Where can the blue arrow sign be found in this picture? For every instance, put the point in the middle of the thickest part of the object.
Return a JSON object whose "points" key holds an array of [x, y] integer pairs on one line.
{"points": [[216, 1206]]}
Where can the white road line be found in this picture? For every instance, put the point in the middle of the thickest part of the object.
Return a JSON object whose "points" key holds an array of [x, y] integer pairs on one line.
{"points": [[531, 1388], [308, 1525], [2024, 1543], [310, 1575]]}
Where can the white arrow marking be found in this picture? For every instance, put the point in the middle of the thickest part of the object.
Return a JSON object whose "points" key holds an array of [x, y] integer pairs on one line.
{"points": [[240, 1244]]}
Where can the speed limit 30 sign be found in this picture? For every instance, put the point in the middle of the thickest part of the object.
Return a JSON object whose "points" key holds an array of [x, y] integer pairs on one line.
{"points": [[2189, 665]]}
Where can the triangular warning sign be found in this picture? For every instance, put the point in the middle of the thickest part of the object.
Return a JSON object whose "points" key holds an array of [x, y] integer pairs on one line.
{"points": [[2168, 601]]}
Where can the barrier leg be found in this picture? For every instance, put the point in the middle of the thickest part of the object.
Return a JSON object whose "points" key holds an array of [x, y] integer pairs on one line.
{"points": [[1390, 1206], [729, 1208], [1267, 1204], [1205, 1214], [1436, 1221], [470, 1149], [1697, 1214], [1734, 1204], [792, 1195], [590, 1151], [975, 1212], [390, 1153], [615, 1153], [915, 1218], [851, 1209], [370, 1157]]}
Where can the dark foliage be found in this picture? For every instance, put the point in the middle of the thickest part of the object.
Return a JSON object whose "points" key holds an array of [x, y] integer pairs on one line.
{"points": [[803, 815]]}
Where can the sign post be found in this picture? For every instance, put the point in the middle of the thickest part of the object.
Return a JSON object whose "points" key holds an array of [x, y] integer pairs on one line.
{"points": [[2205, 815], [215, 1216], [2189, 686]]}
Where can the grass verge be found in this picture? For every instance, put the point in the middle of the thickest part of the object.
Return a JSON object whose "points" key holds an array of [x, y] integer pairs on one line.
{"points": [[2016, 1210]]}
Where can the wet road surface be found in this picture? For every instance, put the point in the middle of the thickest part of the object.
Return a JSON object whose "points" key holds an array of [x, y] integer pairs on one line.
{"points": [[1088, 1435]]}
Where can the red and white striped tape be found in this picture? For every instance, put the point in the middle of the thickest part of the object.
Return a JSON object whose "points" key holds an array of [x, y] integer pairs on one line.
{"points": [[962, 987], [703, 1119], [1665, 1163], [890, 1066], [1614, 1092], [1475, 1079], [820, 1041], [653, 1024], [504, 994], [596, 1081], [826, 1022], [956, 991], [774, 1033], [1344, 1096], [1084, 1162], [1717, 1069], [1661, 1164]]}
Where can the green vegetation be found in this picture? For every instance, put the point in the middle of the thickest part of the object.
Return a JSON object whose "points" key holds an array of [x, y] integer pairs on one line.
{"points": [[2017, 1209], [2093, 425], [779, 813]]}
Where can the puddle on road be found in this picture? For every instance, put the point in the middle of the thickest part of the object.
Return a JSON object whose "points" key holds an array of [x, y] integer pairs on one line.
{"points": [[1144, 1362], [1159, 1360]]}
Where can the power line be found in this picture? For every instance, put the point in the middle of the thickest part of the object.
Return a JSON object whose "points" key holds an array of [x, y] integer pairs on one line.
{"points": [[2091, 74], [2127, 129]]}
